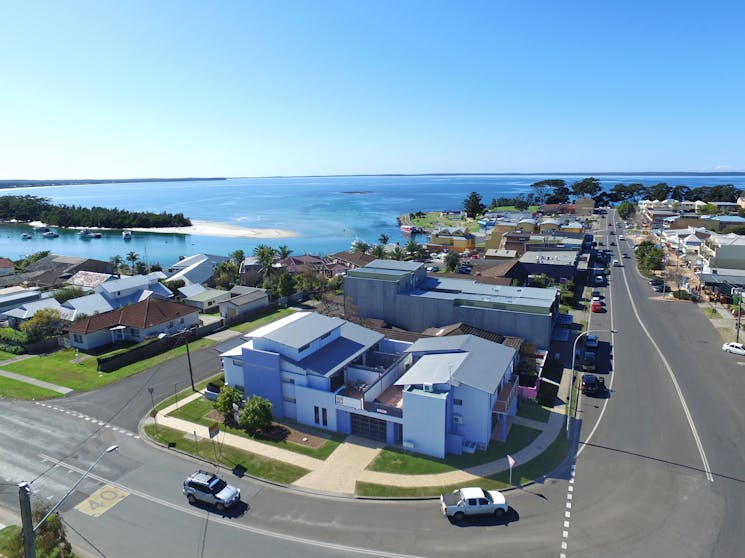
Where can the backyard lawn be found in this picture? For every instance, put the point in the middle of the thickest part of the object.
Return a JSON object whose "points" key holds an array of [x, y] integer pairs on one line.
{"points": [[64, 368], [4, 355], [394, 460], [529, 409]]}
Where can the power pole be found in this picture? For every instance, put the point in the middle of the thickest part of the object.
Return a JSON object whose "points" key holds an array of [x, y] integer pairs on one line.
{"points": [[739, 315], [188, 360], [27, 521]]}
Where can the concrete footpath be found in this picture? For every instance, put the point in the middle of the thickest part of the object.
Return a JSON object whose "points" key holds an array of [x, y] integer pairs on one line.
{"points": [[347, 465]]}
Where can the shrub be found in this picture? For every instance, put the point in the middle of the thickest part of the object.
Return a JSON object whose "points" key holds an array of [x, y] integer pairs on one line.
{"points": [[256, 415], [15, 349], [682, 295], [228, 397], [10, 335]]}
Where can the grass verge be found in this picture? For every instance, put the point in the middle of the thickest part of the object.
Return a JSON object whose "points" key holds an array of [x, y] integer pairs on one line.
{"points": [[530, 409], [711, 313], [542, 465], [269, 318], [394, 460], [5, 355], [62, 368], [254, 464], [13, 389], [195, 412], [6, 535]]}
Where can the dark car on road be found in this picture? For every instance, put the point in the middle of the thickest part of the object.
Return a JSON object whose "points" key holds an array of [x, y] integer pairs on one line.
{"points": [[592, 385], [656, 281]]}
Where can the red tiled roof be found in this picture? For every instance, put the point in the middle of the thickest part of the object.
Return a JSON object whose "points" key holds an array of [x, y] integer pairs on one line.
{"points": [[6, 263], [144, 314]]}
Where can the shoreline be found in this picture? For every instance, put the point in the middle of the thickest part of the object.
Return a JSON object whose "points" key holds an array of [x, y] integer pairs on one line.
{"points": [[198, 228]]}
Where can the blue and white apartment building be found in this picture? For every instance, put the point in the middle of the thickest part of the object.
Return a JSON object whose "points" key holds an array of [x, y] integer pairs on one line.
{"points": [[435, 396]]}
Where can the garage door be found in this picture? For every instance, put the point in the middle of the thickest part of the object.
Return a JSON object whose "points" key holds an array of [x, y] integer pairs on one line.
{"points": [[369, 427]]}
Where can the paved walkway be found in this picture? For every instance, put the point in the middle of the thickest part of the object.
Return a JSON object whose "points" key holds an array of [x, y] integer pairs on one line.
{"points": [[347, 465], [27, 380]]}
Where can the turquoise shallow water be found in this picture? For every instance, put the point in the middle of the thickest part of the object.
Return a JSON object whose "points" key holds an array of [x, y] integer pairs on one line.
{"points": [[326, 213]]}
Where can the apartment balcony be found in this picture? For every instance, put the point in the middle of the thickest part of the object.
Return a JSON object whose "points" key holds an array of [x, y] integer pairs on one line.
{"points": [[504, 398]]}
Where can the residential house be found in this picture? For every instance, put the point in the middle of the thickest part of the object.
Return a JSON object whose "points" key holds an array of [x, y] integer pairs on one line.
{"points": [[54, 270], [88, 305], [13, 297], [547, 225], [88, 280], [148, 318], [403, 295], [208, 300], [133, 288], [723, 251], [26, 311], [243, 301], [584, 206], [555, 265], [7, 267], [435, 396], [304, 263], [348, 260], [196, 269], [557, 209]]}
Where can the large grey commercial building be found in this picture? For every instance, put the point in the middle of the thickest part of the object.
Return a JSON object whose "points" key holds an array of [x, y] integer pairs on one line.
{"points": [[403, 295]]}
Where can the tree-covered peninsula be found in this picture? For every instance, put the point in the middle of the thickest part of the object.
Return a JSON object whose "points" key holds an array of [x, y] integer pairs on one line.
{"points": [[34, 208]]}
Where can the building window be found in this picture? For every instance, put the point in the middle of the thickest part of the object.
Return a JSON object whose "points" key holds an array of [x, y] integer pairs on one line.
{"points": [[325, 335], [77, 337], [325, 417], [315, 415], [301, 349], [458, 402], [181, 321], [289, 399]]}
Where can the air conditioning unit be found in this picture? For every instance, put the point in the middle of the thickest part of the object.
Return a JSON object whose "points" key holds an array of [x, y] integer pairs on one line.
{"points": [[458, 419], [427, 387]]}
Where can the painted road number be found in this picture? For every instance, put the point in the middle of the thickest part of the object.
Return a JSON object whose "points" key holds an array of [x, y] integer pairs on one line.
{"points": [[101, 500]]}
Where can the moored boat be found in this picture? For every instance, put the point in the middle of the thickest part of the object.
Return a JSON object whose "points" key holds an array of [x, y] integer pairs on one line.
{"points": [[127, 235], [26, 236], [87, 233], [50, 234]]}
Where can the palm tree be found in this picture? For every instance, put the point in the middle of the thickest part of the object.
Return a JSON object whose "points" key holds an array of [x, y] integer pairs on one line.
{"points": [[378, 251], [237, 257], [397, 253], [132, 258], [413, 248], [383, 239], [284, 252], [265, 256], [116, 263], [361, 247]]}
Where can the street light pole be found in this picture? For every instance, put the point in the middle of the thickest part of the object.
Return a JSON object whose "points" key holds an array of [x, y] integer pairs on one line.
{"points": [[571, 384], [24, 492]]}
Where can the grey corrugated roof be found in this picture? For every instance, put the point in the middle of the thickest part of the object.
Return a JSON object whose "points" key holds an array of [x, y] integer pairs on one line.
{"points": [[304, 330], [433, 369], [482, 368], [354, 341], [89, 304], [394, 265]]}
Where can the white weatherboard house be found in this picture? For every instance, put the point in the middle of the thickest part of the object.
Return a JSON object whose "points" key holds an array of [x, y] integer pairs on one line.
{"points": [[437, 396]]}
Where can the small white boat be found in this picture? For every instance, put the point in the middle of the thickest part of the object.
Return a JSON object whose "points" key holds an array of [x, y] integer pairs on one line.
{"points": [[127, 235], [26, 236], [407, 229], [87, 233], [50, 234]]}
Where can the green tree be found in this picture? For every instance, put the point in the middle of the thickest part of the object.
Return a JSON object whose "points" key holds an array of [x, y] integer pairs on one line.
{"points": [[586, 187], [284, 252], [66, 293], [542, 188], [116, 263], [660, 191], [626, 209], [521, 203], [361, 247], [472, 205], [452, 260], [285, 284], [560, 194], [237, 257], [265, 256], [256, 415], [649, 256], [225, 274], [50, 540], [398, 254], [174, 285], [378, 251], [413, 248], [132, 258], [708, 209], [383, 239], [228, 397], [679, 192], [44, 323], [22, 264]]}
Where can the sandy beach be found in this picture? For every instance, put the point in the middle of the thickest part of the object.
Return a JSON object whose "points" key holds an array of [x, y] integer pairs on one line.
{"points": [[210, 228], [203, 228]]}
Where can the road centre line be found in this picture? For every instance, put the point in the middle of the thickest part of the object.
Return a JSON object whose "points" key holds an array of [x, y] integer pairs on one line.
{"points": [[215, 518], [671, 374]]}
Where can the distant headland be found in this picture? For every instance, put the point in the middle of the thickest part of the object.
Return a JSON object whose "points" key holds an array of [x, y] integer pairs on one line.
{"points": [[20, 183]]}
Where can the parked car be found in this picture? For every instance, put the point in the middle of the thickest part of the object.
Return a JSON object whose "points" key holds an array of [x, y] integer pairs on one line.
{"points": [[611, 232], [598, 279], [472, 501], [616, 263], [592, 385], [612, 243], [737, 348], [597, 307], [202, 486], [621, 237], [625, 255], [589, 361], [433, 268], [661, 288], [596, 293], [466, 269], [591, 341], [656, 281]]}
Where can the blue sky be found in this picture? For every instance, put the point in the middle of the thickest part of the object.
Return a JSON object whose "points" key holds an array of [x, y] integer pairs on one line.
{"points": [[192, 88]]}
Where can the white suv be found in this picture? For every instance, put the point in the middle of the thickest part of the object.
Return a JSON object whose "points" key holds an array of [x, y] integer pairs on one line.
{"points": [[202, 486]]}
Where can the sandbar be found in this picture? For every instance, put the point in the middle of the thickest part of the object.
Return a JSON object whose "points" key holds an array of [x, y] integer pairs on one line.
{"points": [[202, 228], [211, 228]]}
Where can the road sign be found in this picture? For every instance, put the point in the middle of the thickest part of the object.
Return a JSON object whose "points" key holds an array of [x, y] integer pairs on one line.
{"points": [[214, 429]]}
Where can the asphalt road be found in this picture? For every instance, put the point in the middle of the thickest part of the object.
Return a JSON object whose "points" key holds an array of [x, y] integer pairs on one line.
{"points": [[640, 486]]}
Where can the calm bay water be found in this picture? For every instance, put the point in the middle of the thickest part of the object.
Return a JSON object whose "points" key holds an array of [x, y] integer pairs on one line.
{"points": [[326, 213]]}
